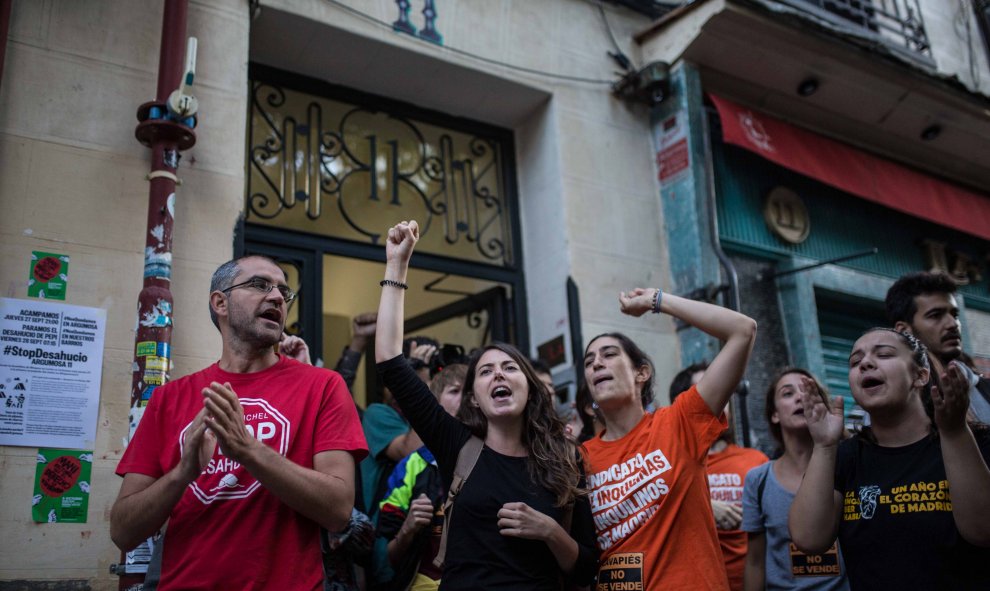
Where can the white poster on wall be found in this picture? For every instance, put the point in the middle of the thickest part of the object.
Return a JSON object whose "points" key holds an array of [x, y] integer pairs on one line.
{"points": [[51, 365]]}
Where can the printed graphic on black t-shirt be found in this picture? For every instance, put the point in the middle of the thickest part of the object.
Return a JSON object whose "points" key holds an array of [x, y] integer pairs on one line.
{"points": [[815, 565], [897, 529], [901, 499]]}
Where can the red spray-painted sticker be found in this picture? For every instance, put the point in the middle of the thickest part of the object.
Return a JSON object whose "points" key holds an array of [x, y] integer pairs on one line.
{"points": [[47, 268], [60, 475]]}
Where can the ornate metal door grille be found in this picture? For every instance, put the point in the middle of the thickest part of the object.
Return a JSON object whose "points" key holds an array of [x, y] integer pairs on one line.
{"points": [[330, 167]]}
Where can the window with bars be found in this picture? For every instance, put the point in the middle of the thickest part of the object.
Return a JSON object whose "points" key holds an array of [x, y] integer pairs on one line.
{"points": [[896, 23]]}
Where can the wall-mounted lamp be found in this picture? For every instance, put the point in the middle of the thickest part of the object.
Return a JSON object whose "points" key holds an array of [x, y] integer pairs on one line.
{"points": [[808, 87], [931, 132], [650, 85]]}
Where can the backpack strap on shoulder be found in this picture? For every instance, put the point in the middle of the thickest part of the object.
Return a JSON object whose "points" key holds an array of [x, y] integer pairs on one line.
{"points": [[466, 459]]}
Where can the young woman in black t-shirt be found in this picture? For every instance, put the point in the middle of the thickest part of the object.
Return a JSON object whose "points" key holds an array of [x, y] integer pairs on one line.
{"points": [[907, 498], [504, 531]]}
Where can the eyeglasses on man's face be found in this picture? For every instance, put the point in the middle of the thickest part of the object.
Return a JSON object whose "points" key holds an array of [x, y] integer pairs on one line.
{"points": [[264, 286]]}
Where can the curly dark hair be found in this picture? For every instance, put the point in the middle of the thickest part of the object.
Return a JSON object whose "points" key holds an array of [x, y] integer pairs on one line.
{"points": [[639, 359], [900, 304], [552, 460]]}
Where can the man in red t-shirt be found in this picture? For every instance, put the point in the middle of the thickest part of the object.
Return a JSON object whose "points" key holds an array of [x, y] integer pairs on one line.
{"points": [[245, 459], [727, 464]]}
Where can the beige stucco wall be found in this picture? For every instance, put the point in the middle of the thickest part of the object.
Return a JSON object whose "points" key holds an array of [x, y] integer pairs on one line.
{"points": [[72, 181]]}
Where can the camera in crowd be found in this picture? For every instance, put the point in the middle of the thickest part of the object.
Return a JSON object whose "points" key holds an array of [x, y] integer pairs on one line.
{"points": [[447, 355], [443, 356]]}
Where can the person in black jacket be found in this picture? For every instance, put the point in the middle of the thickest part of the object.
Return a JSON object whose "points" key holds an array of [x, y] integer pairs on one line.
{"points": [[505, 530]]}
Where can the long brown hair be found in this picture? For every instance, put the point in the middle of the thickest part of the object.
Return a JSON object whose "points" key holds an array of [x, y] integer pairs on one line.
{"points": [[770, 403], [552, 461]]}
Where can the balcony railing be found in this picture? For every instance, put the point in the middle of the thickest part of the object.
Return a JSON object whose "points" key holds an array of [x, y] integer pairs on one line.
{"points": [[895, 23]]}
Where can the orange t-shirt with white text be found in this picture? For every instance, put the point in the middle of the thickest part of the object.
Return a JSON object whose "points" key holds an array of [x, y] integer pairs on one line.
{"points": [[726, 474], [650, 501]]}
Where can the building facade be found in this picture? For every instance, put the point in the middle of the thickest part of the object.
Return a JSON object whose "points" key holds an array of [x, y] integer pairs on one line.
{"points": [[547, 176], [839, 145]]}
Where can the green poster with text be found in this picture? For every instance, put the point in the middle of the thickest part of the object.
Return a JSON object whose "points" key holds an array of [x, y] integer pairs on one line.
{"points": [[49, 275], [61, 486]]}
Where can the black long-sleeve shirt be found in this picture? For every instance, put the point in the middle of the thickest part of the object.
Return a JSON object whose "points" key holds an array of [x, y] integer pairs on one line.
{"points": [[347, 366], [478, 556]]}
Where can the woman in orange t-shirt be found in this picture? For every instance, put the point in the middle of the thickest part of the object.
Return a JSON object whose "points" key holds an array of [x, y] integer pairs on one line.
{"points": [[646, 472]]}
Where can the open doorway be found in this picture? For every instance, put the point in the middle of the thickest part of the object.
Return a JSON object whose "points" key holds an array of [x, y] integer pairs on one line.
{"points": [[451, 309], [465, 305]]}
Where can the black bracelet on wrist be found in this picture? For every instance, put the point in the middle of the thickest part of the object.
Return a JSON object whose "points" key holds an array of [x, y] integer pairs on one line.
{"points": [[391, 283]]}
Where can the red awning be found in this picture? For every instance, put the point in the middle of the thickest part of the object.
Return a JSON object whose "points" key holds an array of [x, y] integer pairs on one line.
{"points": [[855, 171]]}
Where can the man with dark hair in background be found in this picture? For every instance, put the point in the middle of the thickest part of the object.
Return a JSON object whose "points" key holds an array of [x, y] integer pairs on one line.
{"points": [[727, 464], [924, 305], [245, 459]]}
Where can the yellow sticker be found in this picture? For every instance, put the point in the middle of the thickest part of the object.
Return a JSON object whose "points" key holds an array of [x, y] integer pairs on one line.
{"points": [[159, 363], [154, 377]]}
